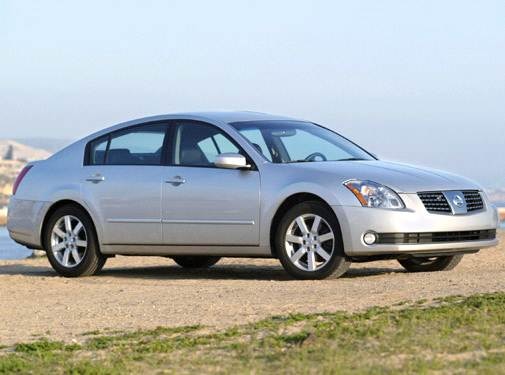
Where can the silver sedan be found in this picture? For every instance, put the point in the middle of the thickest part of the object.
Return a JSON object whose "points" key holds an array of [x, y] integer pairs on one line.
{"points": [[196, 187]]}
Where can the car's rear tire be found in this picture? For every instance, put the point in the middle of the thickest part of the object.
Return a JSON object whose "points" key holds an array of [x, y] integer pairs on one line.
{"points": [[71, 243], [188, 261], [432, 264], [309, 244]]}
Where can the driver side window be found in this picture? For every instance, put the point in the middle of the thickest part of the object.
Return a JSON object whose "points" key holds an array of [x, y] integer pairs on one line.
{"points": [[198, 144]]}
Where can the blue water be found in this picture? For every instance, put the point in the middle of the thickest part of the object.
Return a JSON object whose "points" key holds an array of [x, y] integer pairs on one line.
{"points": [[9, 249]]}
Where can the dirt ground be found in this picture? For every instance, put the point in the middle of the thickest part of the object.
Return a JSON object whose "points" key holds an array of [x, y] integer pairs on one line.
{"points": [[133, 293]]}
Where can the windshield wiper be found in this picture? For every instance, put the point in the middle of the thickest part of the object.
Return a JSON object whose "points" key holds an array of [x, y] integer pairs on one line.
{"points": [[351, 159], [299, 161]]}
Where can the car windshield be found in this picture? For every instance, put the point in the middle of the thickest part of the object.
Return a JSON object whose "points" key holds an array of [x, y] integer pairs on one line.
{"points": [[298, 142]]}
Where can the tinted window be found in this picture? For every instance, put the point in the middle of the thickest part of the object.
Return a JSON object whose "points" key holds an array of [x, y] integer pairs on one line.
{"points": [[198, 144], [97, 151], [142, 145]]}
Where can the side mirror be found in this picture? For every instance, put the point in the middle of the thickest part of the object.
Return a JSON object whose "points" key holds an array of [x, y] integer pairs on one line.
{"points": [[231, 161]]}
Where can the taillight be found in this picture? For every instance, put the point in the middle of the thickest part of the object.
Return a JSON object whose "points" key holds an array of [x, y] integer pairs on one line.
{"points": [[20, 178]]}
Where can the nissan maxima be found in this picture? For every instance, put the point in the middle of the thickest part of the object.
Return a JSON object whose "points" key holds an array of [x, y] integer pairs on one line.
{"points": [[200, 186]]}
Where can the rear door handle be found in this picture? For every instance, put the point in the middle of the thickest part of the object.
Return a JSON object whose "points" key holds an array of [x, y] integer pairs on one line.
{"points": [[176, 181], [96, 179]]}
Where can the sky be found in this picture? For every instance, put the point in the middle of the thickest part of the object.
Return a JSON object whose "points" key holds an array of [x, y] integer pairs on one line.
{"points": [[415, 81]]}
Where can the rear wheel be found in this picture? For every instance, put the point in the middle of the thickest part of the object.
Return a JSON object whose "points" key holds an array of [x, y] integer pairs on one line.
{"points": [[431, 264], [309, 244], [196, 261], [71, 243]]}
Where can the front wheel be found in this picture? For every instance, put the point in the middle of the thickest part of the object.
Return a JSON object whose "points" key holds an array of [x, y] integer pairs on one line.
{"points": [[431, 264], [71, 243], [309, 244]]}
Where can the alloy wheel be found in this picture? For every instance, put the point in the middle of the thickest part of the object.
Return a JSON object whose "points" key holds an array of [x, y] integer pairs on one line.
{"points": [[309, 242], [69, 241]]}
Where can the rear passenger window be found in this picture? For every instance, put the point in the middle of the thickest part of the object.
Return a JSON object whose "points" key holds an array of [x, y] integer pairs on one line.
{"points": [[141, 145]]}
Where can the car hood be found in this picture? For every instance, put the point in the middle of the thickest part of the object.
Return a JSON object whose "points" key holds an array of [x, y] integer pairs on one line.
{"points": [[403, 178]]}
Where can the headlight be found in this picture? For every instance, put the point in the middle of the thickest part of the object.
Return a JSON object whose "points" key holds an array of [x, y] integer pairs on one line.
{"points": [[372, 194]]}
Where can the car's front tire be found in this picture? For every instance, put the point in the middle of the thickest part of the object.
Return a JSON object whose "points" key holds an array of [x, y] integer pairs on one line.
{"points": [[432, 264], [309, 244], [188, 261], [71, 243]]}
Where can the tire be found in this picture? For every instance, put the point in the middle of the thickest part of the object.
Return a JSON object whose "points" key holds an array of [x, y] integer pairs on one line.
{"points": [[311, 253], [196, 261], [435, 264], [80, 260]]}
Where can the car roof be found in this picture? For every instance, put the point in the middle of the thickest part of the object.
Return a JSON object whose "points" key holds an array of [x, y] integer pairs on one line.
{"points": [[214, 117], [233, 116]]}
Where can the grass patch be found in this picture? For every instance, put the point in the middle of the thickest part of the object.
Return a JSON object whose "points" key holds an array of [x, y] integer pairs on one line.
{"points": [[451, 335]]}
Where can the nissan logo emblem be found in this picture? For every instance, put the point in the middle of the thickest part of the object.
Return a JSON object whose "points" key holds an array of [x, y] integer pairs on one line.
{"points": [[458, 201]]}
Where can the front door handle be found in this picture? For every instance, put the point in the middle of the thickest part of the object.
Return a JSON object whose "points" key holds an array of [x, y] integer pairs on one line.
{"points": [[97, 178], [176, 181]]}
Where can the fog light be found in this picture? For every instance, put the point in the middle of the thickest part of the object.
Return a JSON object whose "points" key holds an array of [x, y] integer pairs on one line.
{"points": [[370, 238]]}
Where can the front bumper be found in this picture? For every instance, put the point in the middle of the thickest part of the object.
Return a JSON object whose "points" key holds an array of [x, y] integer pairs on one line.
{"points": [[356, 221]]}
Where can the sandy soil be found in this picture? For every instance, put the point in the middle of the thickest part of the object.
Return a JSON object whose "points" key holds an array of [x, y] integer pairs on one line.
{"points": [[134, 293]]}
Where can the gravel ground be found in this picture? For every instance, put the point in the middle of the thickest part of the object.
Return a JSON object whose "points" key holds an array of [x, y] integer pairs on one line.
{"points": [[133, 293]]}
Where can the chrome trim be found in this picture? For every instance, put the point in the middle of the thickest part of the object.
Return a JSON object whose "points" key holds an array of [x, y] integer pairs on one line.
{"points": [[134, 221], [222, 222], [166, 221], [176, 181], [456, 200], [96, 179]]}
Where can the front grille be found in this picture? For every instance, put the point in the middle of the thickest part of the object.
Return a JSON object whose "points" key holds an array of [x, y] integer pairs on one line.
{"points": [[435, 202], [435, 237], [474, 201]]}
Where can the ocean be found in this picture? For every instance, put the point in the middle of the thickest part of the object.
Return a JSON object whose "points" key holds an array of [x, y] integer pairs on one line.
{"points": [[9, 249]]}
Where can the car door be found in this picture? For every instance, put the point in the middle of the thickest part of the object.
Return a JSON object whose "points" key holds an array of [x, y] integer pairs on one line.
{"points": [[122, 182], [203, 204]]}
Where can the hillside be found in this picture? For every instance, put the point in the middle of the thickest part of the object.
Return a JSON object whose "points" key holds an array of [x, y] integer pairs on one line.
{"points": [[49, 144], [14, 151]]}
